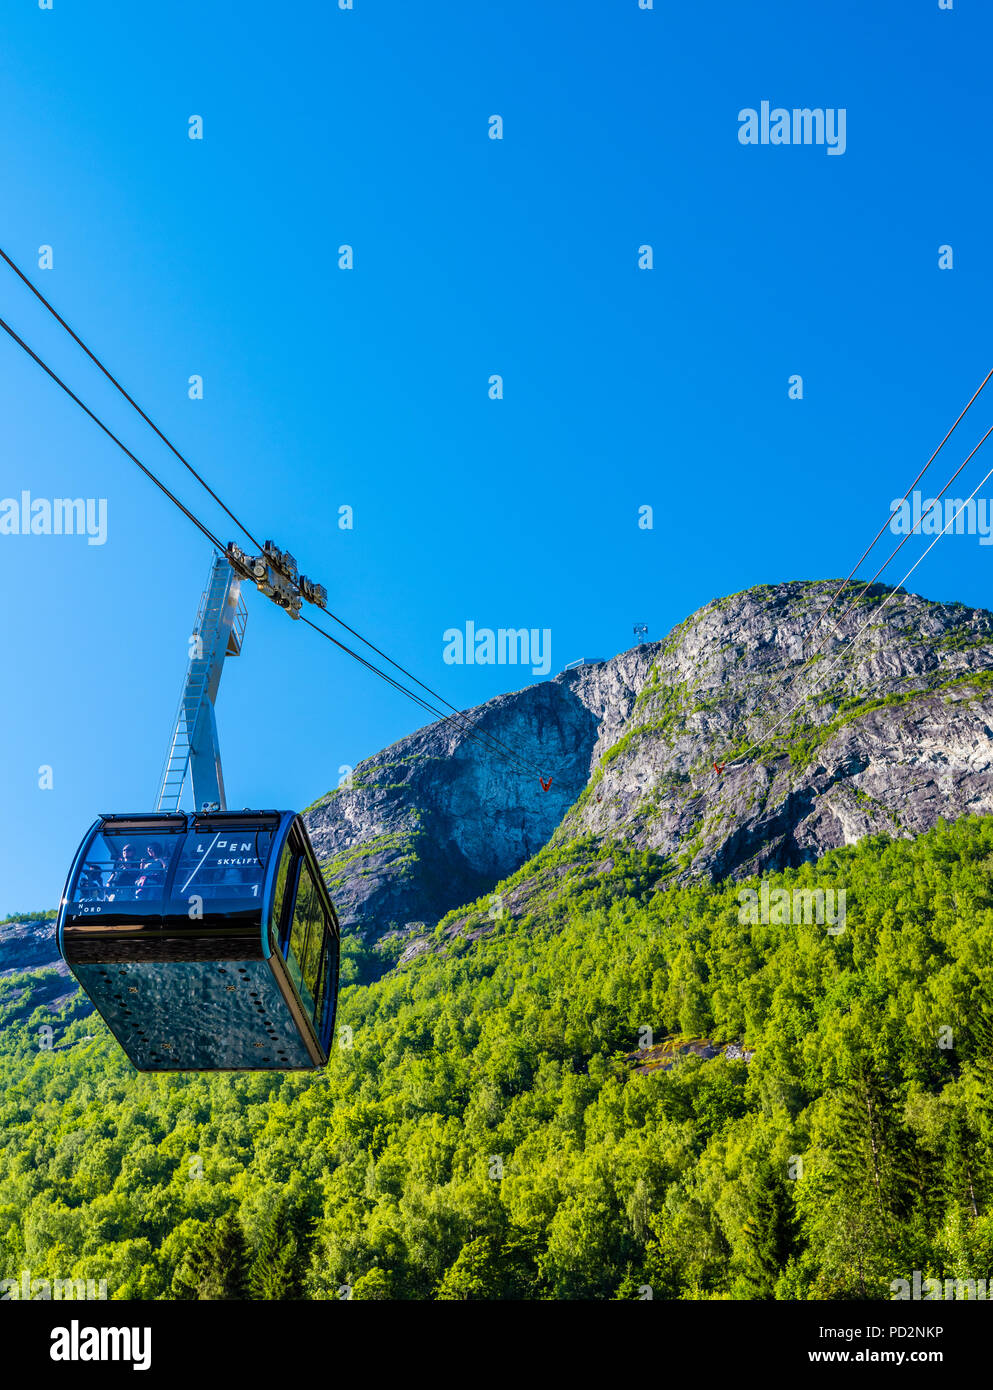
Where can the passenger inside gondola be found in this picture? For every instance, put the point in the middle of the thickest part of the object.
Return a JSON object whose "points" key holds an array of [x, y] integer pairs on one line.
{"points": [[121, 869], [153, 873], [90, 882], [124, 877]]}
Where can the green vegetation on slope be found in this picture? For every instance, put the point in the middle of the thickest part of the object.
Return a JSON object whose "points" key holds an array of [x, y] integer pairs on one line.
{"points": [[484, 1135]]}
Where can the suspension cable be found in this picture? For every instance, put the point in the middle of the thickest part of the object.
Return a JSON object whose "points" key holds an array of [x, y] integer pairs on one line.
{"points": [[492, 738], [458, 718], [131, 401], [889, 598]]}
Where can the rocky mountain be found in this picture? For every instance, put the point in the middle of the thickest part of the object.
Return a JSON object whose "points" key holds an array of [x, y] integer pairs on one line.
{"points": [[435, 820], [880, 720], [30, 946]]}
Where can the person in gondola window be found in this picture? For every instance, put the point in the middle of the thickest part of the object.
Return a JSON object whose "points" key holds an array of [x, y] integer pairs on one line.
{"points": [[153, 871], [153, 858], [90, 882], [125, 876]]}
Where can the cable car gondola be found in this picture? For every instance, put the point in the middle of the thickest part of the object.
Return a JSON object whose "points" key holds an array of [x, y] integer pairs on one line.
{"points": [[207, 941], [122, 914]]}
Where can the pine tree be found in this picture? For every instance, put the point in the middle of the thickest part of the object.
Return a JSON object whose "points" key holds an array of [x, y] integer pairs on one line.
{"points": [[273, 1274], [963, 1164], [874, 1156], [213, 1267], [769, 1230], [194, 1267]]}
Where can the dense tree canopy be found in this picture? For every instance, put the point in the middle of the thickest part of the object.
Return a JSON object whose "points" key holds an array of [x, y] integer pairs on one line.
{"points": [[487, 1136]]}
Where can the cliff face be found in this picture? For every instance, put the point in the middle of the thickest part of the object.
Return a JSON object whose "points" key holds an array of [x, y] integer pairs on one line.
{"points": [[883, 733], [888, 734], [435, 820], [30, 946]]}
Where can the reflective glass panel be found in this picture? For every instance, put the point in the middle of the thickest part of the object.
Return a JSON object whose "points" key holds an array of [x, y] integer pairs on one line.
{"points": [[306, 940], [222, 864], [126, 866], [279, 894]]}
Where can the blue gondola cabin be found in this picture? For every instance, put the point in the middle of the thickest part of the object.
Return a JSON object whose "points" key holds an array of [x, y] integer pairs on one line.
{"points": [[206, 942]]}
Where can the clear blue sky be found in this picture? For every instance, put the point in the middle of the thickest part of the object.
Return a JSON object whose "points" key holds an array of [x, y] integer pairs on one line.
{"points": [[472, 257]]}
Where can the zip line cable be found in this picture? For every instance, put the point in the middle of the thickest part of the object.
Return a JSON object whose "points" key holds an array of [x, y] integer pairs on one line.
{"points": [[458, 718], [469, 730], [438, 715], [203, 482], [410, 675]]}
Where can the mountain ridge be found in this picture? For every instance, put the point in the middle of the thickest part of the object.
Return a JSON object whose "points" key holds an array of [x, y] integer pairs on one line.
{"points": [[894, 730], [898, 736]]}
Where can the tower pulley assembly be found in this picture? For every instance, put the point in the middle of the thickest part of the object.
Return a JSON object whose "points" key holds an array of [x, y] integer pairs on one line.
{"points": [[275, 574]]}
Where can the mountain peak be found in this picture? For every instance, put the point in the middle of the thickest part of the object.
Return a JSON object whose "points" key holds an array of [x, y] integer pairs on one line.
{"points": [[758, 734]]}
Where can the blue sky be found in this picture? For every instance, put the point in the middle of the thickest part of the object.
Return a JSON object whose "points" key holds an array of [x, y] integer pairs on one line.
{"points": [[369, 387]]}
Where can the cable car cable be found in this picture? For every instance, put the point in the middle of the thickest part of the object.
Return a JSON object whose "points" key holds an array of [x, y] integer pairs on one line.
{"points": [[110, 434], [477, 737], [885, 565], [889, 598], [975, 395], [130, 399], [494, 741], [200, 479], [791, 680]]}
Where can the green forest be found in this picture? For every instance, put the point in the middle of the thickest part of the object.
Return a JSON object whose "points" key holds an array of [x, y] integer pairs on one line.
{"points": [[483, 1130]]}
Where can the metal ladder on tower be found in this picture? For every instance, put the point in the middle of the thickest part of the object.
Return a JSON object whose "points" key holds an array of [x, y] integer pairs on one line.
{"points": [[193, 748]]}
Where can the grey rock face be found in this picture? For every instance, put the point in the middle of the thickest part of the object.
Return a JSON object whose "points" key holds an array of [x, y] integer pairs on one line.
{"points": [[436, 820], [887, 732], [29, 945]]}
